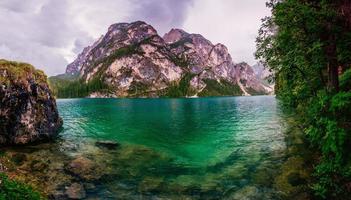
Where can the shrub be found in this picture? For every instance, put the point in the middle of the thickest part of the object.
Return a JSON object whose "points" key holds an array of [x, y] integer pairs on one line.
{"points": [[13, 190], [222, 88]]}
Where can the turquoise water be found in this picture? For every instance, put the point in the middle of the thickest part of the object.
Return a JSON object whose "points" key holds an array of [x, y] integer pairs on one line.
{"points": [[195, 132], [201, 148]]}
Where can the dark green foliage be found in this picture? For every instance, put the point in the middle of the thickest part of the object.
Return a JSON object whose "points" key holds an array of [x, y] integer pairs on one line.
{"points": [[345, 81], [224, 88], [306, 44], [181, 42], [75, 88], [180, 61], [182, 88], [137, 88], [17, 70], [12, 190], [327, 120], [253, 92], [213, 88]]}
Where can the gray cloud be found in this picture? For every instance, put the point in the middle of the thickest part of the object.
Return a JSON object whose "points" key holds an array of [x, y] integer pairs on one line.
{"points": [[38, 32], [21, 6], [50, 33], [163, 14]]}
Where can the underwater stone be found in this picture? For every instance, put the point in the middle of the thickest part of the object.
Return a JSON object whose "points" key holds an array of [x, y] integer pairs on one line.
{"points": [[39, 165], [246, 193], [19, 158], [85, 168], [149, 184], [76, 191], [108, 144], [295, 179]]}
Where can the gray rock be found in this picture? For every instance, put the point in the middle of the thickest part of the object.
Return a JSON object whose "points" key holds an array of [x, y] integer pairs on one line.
{"points": [[246, 193], [76, 191], [85, 169], [133, 60], [28, 111], [107, 144]]}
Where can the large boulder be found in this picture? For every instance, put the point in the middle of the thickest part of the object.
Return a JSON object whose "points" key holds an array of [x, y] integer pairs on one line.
{"points": [[28, 111]]}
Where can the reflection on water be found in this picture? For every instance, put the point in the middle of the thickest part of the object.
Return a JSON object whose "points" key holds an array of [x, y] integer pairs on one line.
{"points": [[208, 148]]}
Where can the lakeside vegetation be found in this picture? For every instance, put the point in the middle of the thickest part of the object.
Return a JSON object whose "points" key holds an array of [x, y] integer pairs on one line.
{"points": [[308, 46], [10, 189], [222, 88], [16, 70], [64, 86]]}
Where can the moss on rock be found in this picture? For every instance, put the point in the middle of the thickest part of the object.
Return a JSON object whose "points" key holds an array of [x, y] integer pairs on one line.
{"points": [[28, 111]]}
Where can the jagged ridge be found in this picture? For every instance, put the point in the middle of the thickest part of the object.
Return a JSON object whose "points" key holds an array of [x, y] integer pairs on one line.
{"points": [[132, 60]]}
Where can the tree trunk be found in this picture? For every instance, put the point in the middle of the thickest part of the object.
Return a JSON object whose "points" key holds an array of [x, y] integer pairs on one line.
{"points": [[333, 77], [333, 66]]}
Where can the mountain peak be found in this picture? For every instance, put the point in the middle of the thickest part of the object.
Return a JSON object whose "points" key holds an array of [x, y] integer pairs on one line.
{"points": [[175, 35], [131, 59], [139, 26]]}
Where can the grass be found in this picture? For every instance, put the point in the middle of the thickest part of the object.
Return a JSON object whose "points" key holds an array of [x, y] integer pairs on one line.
{"points": [[18, 70], [13, 190]]}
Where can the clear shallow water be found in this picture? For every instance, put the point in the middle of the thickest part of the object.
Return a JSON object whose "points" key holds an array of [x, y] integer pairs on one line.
{"points": [[205, 148], [195, 132], [212, 148]]}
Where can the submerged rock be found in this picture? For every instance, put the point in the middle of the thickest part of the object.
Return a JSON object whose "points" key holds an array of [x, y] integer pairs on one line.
{"points": [[107, 144], [149, 184], [246, 193], [28, 111], [293, 178], [19, 158], [76, 191], [85, 169]]}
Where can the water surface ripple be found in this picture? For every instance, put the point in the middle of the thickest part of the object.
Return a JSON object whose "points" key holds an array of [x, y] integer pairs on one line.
{"points": [[201, 148]]}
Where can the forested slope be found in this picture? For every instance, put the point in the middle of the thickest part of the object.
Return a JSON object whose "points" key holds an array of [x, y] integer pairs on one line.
{"points": [[308, 45]]}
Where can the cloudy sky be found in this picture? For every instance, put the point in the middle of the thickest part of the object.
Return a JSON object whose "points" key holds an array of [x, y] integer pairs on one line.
{"points": [[50, 33]]}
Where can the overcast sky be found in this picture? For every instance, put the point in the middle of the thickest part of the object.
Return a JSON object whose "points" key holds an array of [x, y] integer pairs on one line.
{"points": [[50, 33]]}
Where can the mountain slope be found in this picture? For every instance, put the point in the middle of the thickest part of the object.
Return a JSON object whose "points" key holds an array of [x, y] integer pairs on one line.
{"points": [[132, 60]]}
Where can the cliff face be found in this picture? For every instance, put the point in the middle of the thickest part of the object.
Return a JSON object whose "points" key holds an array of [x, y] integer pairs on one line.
{"points": [[133, 60], [28, 111], [265, 76]]}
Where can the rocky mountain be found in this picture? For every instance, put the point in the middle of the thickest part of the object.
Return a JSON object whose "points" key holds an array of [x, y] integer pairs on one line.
{"points": [[132, 60], [265, 76], [28, 111]]}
